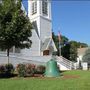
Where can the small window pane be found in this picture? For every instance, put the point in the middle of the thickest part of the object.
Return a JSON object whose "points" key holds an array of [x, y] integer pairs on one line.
{"points": [[34, 7], [45, 7]]}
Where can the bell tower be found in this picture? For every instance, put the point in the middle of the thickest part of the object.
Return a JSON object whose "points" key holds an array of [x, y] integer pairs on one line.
{"points": [[39, 11]]}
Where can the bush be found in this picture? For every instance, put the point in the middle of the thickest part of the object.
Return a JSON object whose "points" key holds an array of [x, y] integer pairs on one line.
{"points": [[30, 69], [9, 68], [2, 69], [6, 70], [25, 70], [20, 70], [40, 69]]}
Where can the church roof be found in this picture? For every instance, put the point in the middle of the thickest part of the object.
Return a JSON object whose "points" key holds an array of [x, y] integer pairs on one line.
{"points": [[35, 27], [45, 44], [48, 43]]}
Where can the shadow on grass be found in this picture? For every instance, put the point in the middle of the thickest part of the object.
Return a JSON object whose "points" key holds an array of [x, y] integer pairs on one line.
{"points": [[9, 75], [61, 73], [6, 76]]}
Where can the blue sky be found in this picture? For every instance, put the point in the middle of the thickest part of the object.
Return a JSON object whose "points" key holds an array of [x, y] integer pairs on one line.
{"points": [[72, 18]]}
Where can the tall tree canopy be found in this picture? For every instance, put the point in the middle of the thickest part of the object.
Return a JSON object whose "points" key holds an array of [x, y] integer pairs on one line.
{"points": [[15, 27], [74, 45], [68, 48], [86, 57]]}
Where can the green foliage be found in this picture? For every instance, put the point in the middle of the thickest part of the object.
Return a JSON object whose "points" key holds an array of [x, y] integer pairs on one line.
{"points": [[25, 70], [68, 48], [65, 51], [86, 57], [71, 80], [20, 70], [15, 27], [78, 44], [2, 69], [40, 69], [9, 68], [6, 70], [73, 51], [62, 43], [30, 69]]}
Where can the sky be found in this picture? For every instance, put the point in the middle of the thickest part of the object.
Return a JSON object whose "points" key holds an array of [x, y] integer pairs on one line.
{"points": [[72, 19]]}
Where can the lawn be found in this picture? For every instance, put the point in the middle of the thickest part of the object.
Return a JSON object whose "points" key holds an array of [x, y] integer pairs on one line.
{"points": [[69, 80]]}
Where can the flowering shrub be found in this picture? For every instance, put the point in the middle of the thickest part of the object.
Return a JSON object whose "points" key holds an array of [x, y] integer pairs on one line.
{"points": [[30, 69], [20, 68], [6, 70], [40, 69], [25, 69]]}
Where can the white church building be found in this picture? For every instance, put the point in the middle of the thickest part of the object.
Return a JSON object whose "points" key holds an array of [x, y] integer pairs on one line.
{"points": [[39, 13]]}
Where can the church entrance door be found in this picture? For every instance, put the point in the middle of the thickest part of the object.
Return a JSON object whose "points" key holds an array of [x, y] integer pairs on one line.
{"points": [[45, 52]]}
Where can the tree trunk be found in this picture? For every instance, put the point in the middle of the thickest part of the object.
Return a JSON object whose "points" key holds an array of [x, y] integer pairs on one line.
{"points": [[8, 54]]}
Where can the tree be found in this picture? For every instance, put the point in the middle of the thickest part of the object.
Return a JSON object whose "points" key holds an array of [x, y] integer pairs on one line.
{"points": [[86, 57], [63, 43], [74, 45], [15, 27], [73, 51], [65, 51], [68, 48], [81, 45]]}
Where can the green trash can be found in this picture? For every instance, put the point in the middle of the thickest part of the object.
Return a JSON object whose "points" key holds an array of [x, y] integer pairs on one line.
{"points": [[51, 69]]}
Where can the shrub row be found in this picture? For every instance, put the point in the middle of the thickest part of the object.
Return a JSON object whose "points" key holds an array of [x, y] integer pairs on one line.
{"points": [[6, 70], [29, 69]]}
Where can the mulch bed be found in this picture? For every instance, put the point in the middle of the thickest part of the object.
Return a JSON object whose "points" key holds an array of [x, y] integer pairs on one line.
{"points": [[38, 75], [41, 76], [70, 76]]}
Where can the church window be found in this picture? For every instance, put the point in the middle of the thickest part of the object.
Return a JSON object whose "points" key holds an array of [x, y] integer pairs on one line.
{"points": [[45, 7], [34, 7]]}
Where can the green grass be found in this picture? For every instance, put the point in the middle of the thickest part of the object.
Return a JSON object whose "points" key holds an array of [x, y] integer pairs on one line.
{"points": [[70, 80]]}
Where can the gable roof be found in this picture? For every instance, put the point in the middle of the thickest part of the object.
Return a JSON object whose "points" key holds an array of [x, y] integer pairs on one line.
{"points": [[34, 23], [47, 44]]}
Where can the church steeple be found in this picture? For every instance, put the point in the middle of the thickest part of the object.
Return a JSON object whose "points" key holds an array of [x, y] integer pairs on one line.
{"points": [[39, 13], [46, 8], [39, 8]]}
